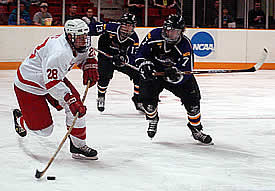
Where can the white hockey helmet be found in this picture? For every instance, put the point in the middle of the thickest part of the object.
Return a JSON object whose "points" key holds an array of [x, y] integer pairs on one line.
{"points": [[77, 27]]}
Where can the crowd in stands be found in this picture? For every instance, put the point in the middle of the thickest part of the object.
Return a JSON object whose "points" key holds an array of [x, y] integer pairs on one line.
{"points": [[41, 12]]}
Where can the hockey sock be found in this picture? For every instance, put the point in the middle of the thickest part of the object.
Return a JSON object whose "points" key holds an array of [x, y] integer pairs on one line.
{"points": [[195, 120]]}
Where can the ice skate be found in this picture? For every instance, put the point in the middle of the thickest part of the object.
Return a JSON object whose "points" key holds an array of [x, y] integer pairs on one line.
{"points": [[19, 130], [101, 103], [152, 129], [199, 135], [84, 152], [138, 105]]}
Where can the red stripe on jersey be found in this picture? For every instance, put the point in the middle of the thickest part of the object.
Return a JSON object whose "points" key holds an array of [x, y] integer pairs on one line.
{"points": [[52, 83], [21, 79]]}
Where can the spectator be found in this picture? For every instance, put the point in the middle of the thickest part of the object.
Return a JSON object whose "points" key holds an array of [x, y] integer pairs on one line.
{"points": [[4, 16], [165, 3], [256, 17], [43, 17], [136, 8], [72, 13], [24, 16], [213, 18], [5, 2], [90, 17], [226, 18]]}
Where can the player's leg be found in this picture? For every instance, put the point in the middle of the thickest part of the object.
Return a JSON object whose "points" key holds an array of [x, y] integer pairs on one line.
{"points": [[34, 115], [135, 76], [149, 93], [77, 137], [105, 71], [189, 94]]}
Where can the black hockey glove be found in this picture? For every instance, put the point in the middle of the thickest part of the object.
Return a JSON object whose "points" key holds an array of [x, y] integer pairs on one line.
{"points": [[120, 59], [146, 70], [172, 73]]}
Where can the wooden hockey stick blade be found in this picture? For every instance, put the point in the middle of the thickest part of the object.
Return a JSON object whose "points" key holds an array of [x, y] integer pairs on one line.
{"points": [[261, 60], [39, 174], [256, 67]]}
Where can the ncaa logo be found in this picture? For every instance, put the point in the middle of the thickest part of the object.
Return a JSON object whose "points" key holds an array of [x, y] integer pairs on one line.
{"points": [[203, 44]]}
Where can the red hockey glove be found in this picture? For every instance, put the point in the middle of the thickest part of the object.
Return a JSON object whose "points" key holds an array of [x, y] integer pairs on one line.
{"points": [[75, 105], [90, 72]]}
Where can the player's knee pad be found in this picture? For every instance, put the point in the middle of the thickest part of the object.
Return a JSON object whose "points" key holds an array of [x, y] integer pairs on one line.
{"points": [[192, 109]]}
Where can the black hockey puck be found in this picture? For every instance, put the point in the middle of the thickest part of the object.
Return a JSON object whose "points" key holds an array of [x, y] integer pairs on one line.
{"points": [[51, 177]]}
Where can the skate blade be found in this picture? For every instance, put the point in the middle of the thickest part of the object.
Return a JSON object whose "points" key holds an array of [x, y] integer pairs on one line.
{"points": [[82, 157], [205, 144]]}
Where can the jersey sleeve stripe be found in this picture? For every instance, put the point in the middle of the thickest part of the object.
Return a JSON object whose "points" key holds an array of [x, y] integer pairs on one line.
{"points": [[27, 82], [52, 83]]}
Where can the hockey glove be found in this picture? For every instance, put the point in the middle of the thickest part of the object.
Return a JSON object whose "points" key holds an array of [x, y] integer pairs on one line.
{"points": [[146, 70], [90, 72], [120, 59], [75, 105], [172, 73]]}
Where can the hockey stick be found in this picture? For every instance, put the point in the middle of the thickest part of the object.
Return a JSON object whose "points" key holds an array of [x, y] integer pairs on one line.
{"points": [[256, 67], [110, 56], [39, 174]]}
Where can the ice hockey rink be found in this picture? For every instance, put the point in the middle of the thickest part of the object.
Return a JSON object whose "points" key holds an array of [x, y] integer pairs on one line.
{"points": [[238, 111]]}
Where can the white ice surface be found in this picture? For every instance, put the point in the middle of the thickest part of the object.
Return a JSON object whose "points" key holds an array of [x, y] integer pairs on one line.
{"points": [[238, 111]]}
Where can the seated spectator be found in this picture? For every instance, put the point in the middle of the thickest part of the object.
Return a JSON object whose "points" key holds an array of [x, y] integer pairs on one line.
{"points": [[256, 17], [226, 18], [43, 17], [136, 8], [5, 2], [72, 13], [90, 17], [165, 3], [24, 16], [4, 16]]}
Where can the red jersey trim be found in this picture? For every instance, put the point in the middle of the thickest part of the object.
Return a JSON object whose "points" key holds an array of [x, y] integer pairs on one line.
{"points": [[21, 79], [52, 83]]}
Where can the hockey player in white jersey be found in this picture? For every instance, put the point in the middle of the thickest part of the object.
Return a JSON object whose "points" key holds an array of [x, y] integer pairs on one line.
{"points": [[41, 80]]}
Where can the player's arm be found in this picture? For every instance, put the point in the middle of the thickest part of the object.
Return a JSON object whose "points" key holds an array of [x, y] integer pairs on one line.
{"points": [[90, 68], [132, 50], [143, 52], [185, 63], [186, 59], [143, 60], [54, 72]]}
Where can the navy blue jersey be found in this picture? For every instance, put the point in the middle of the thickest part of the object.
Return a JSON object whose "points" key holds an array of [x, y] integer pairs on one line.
{"points": [[163, 55], [110, 42]]}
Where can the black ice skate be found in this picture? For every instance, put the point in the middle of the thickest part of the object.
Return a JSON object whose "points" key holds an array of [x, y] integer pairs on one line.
{"points": [[101, 103], [20, 130], [138, 105], [84, 152], [152, 129], [199, 135]]}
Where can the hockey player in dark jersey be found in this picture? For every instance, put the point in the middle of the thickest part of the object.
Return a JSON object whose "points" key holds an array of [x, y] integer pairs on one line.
{"points": [[169, 51], [120, 41]]}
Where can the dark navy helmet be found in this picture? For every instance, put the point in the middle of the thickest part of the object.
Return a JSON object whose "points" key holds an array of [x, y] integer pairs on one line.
{"points": [[128, 18], [173, 27], [128, 23]]}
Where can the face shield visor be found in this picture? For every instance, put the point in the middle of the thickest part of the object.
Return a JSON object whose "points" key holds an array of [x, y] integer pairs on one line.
{"points": [[81, 43]]}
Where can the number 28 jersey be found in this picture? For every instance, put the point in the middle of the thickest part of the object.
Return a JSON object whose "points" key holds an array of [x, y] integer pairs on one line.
{"points": [[43, 71]]}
